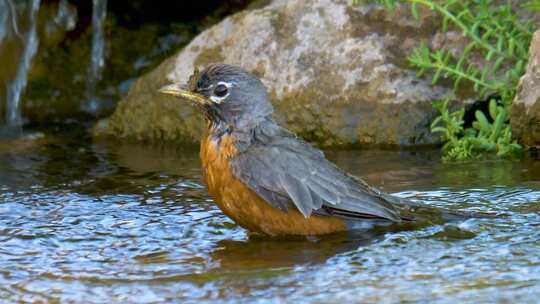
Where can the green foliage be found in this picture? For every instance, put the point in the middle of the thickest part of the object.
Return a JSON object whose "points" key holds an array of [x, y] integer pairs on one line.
{"points": [[485, 136], [533, 5], [494, 33], [493, 60]]}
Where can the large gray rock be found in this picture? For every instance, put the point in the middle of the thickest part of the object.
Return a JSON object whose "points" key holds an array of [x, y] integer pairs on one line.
{"points": [[525, 118], [337, 73]]}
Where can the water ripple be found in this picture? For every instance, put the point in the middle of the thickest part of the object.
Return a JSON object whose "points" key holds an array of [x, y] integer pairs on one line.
{"points": [[143, 231]]}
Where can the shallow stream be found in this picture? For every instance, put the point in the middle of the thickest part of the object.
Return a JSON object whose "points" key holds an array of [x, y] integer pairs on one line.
{"points": [[116, 223]]}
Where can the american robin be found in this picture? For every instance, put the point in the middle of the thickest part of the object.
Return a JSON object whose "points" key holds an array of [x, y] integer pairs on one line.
{"points": [[270, 181]]}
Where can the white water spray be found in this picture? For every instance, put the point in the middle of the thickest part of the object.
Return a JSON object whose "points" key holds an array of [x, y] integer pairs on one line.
{"points": [[64, 17], [97, 62], [16, 87], [4, 19], [8, 19]]}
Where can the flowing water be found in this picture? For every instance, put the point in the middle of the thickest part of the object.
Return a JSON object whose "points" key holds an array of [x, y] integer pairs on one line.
{"points": [[19, 42], [74, 60], [121, 223], [28, 41], [99, 12]]}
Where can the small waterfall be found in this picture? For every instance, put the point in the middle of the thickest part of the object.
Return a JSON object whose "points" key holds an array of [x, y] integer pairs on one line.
{"points": [[6, 18], [63, 16], [16, 87], [19, 42], [99, 12]]}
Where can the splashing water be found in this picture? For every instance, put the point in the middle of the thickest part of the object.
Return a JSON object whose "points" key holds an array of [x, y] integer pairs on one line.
{"points": [[8, 18], [113, 222], [16, 87], [64, 17], [4, 16], [99, 13]]}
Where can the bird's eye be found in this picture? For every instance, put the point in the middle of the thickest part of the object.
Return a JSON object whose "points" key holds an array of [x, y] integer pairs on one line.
{"points": [[221, 90]]}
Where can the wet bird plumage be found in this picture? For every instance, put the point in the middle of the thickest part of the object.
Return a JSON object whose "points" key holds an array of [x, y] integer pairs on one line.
{"points": [[270, 181], [244, 205]]}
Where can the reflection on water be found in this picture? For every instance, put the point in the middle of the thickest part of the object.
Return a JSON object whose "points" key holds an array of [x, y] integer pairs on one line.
{"points": [[110, 222]]}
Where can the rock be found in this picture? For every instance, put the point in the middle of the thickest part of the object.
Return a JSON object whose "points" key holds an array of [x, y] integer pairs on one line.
{"points": [[337, 73], [146, 114], [525, 118]]}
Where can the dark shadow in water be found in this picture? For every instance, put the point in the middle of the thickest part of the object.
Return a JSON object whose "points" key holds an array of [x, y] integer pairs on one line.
{"points": [[261, 252]]}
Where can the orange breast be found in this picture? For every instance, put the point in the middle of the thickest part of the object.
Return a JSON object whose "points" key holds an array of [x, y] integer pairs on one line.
{"points": [[244, 206]]}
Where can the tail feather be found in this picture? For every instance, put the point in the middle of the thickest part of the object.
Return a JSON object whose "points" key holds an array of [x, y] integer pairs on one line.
{"points": [[412, 211]]}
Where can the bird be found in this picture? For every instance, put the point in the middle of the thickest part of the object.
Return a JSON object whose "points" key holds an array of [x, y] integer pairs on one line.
{"points": [[271, 182]]}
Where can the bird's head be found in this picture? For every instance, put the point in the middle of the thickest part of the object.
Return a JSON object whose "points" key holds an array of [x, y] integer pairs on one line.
{"points": [[226, 94]]}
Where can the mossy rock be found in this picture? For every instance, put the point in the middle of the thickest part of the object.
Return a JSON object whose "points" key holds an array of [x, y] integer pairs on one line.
{"points": [[337, 73]]}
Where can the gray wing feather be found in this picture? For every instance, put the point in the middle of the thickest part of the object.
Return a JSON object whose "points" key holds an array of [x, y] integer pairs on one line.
{"points": [[298, 192], [287, 172]]}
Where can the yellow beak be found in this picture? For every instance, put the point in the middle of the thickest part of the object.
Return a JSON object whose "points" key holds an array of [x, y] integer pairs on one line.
{"points": [[177, 91]]}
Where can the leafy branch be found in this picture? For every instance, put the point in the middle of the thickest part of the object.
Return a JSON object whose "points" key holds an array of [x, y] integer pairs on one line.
{"points": [[493, 60]]}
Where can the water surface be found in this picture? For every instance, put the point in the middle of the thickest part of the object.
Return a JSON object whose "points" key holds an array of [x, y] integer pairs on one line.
{"points": [[111, 222]]}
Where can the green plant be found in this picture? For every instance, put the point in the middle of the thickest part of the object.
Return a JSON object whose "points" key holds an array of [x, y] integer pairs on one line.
{"points": [[485, 136], [493, 60], [451, 127], [532, 5]]}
